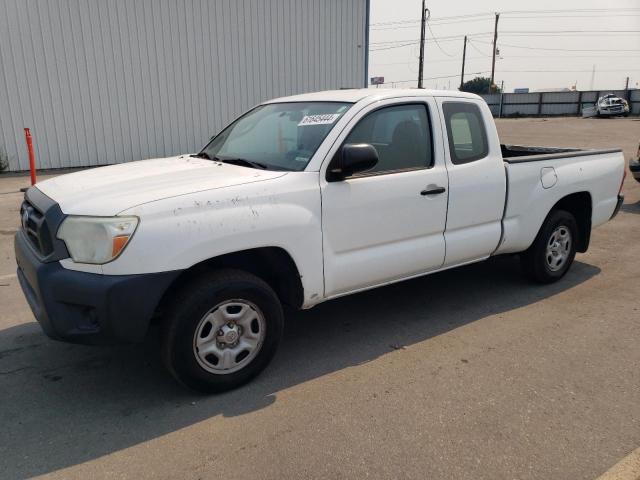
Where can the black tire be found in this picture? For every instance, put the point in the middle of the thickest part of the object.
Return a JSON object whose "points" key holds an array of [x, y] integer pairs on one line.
{"points": [[534, 260], [189, 307]]}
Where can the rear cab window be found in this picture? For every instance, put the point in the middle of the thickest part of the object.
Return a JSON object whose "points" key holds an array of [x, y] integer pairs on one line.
{"points": [[466, 132]]}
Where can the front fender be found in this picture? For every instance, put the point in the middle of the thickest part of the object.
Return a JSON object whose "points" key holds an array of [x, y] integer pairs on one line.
{"points": [[177, 233]]}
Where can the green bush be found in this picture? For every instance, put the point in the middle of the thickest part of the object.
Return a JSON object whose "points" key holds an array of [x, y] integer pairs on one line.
{"points": [[4, 160]]}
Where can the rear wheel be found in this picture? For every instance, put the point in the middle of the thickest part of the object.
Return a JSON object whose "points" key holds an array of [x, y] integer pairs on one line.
{"points": [[221, 330], [552, 252]]}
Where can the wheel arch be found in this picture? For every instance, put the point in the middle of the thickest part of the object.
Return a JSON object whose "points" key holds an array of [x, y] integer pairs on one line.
{"points": [[580, 205], [274, 265]]}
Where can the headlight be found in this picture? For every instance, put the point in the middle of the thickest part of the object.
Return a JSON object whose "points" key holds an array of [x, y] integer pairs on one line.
{"points": [[96, 239]]}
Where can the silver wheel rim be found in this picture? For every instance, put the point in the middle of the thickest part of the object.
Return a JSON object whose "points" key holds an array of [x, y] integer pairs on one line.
{"points": [[558, 248], [229, 336]]}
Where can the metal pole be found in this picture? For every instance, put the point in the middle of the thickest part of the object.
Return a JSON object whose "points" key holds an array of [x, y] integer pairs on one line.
{"points": [[32, 157], [464, 56], [501, 95], [421, 59], [495, 40], [627, 95], [579, 102]]}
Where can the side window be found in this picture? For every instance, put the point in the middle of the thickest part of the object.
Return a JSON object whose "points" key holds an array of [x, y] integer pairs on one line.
{"points": [[466, 132], [401, 134]]}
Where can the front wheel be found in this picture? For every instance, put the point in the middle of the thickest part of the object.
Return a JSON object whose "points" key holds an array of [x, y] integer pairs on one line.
{"points": [[552, 252], [221, 330]]}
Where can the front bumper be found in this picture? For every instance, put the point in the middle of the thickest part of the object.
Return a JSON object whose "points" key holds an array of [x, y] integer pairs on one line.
{"points": [[634, 168], [84, 307], [617, 110]]}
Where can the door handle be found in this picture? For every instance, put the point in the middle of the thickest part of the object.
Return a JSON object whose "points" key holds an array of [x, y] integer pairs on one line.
{"points": [[433, 191]]}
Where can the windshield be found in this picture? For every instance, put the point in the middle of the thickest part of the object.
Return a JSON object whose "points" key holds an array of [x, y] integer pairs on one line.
{"points": [[277, 136]]}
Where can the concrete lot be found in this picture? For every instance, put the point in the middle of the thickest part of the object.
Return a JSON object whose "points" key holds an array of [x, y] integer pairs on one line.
{"points": [[472, 373]]}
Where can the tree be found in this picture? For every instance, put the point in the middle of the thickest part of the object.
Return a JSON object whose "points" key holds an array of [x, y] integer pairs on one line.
{"points": [[4, 160], [479, 85]]}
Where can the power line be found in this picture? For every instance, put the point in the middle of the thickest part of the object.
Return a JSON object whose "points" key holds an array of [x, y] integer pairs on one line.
{"points": [[575, 56], [532, 33], [602, 11], [573, 10], [431, 78], [554, 32], [441, 39], [408, 62], [435, 19], [507, 71], [414, 24], [394, 41], [477, 49], [484, 56], [562, 49], [438, 44], [392, 47], [570, 71], [601, 15], [404, 43]]}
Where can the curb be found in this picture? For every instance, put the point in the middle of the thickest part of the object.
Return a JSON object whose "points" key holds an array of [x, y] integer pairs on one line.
{"points": [[626, 469]]}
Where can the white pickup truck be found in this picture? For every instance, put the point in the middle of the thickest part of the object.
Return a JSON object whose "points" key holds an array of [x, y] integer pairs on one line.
{"points": [[300, 200]]}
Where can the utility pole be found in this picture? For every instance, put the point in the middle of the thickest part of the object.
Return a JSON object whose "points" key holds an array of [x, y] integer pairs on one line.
{"points": [[501, 98], [422, 33], [495, 46], [626, 91], [464, 56]]}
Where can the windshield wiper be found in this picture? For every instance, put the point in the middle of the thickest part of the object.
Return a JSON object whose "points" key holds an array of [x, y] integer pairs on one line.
{"points": [[233, 161], [242, 162], [201, 155]]}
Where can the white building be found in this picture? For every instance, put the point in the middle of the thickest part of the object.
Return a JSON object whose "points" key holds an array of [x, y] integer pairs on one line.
{"points": [[109, 81]]}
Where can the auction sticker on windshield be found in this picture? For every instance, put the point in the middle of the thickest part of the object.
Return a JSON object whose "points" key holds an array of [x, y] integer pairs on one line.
{"points": [[323, 119]]}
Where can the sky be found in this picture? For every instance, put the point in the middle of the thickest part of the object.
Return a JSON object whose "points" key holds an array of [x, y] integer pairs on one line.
{"points": [[542, 44]]}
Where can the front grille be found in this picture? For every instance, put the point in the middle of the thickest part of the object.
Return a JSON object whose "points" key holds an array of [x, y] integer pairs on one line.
{"points": [[35, 226]]}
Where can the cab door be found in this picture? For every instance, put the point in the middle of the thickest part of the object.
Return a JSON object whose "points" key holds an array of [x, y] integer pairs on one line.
{"points": [[387, 223], [477, 180]]}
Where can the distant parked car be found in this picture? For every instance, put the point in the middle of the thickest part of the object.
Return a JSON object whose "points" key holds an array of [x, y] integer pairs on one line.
{"points": [[634, 166], [611, 105]]}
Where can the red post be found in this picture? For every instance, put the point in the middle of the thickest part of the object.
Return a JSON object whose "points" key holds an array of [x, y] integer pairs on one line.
{"points": [[32, 157]]}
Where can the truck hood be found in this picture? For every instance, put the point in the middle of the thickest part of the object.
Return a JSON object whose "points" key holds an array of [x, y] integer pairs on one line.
{"points": [[109, 190]]}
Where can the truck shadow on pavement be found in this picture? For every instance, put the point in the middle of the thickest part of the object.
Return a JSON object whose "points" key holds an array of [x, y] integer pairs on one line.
{"points": [[63, 404], [631, 208]]}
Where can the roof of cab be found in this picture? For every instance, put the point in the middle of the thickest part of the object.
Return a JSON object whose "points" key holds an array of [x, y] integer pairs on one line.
{"points": [[356, 94]]}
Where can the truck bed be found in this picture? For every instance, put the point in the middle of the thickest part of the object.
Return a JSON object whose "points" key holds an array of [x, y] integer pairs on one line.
{"points": [[534, 188], [521, 154]]}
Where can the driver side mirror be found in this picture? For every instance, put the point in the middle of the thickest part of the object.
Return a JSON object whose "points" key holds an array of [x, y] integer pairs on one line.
{"points": [[352, 158]]}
